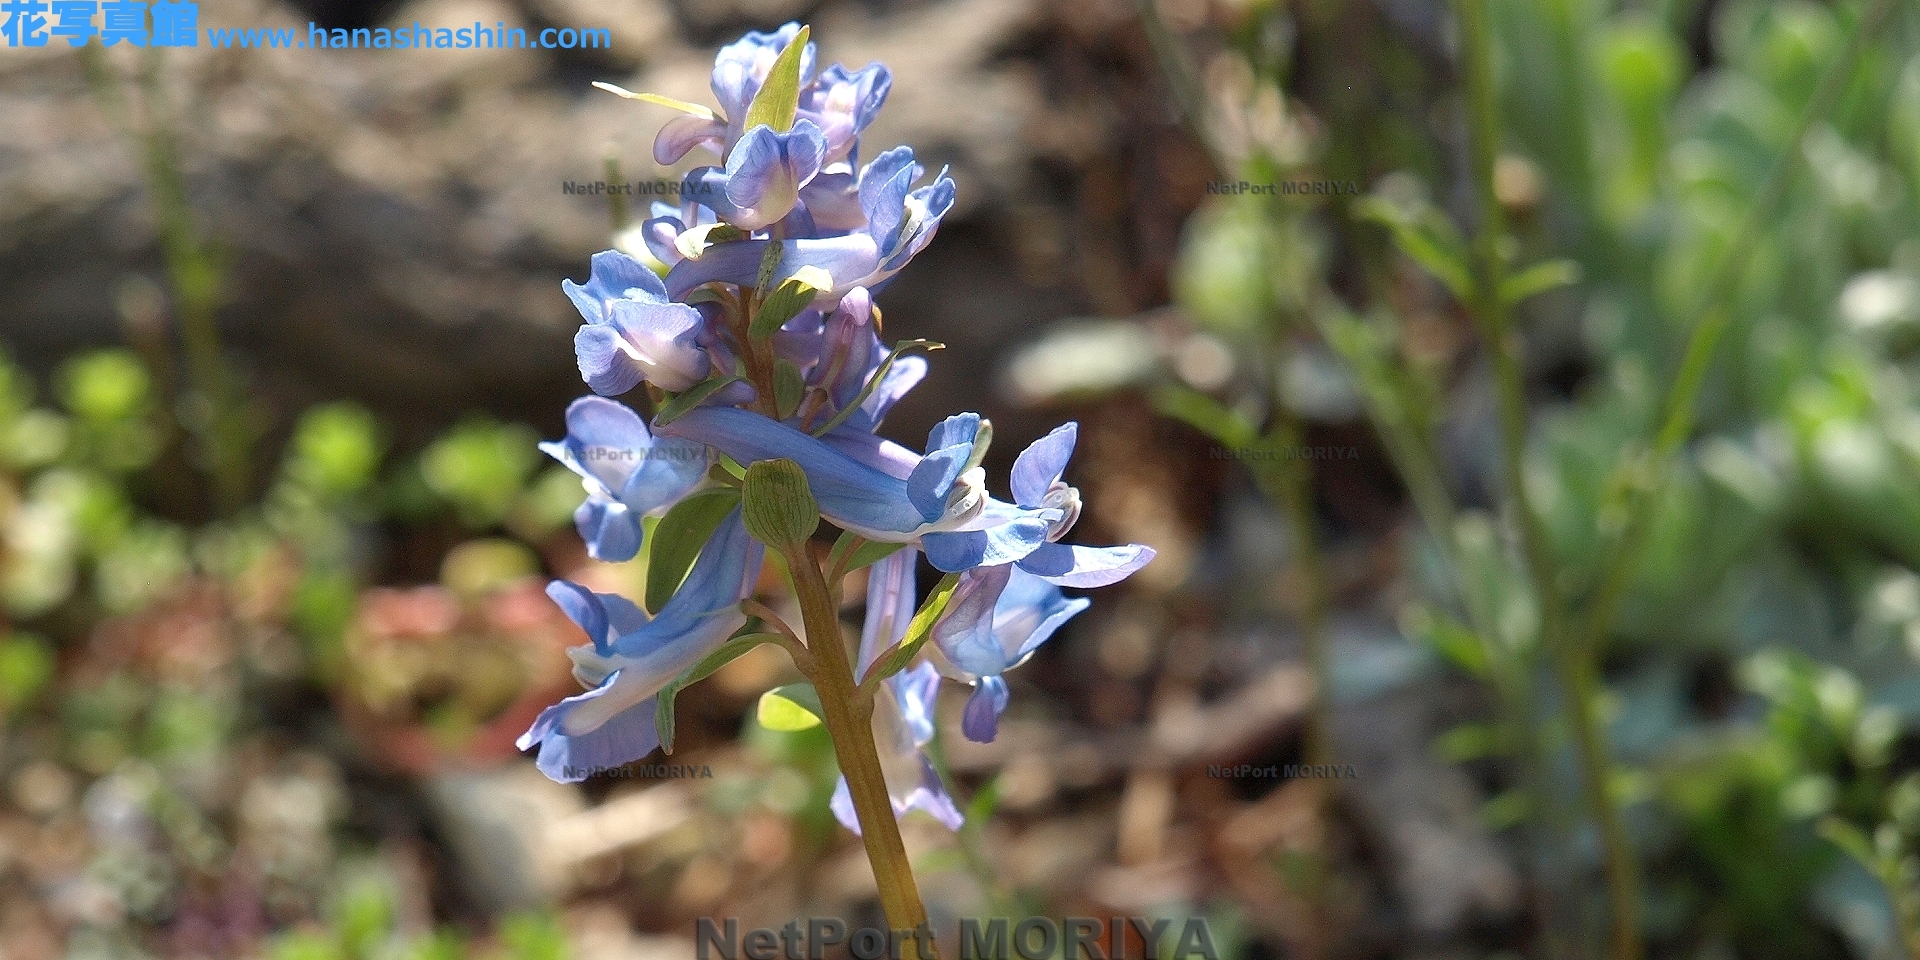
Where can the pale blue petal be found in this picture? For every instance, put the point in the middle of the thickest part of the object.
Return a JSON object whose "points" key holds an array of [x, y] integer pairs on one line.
{"points": [[569, 758], [849, 492], [580, 606], [981, 720], [1084, 567], [1042, 463], [848, 260], [1003, 543]]}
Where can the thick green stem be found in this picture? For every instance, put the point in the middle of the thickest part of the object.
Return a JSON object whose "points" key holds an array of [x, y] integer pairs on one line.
{"points": [[849, 721], [1572, 661]]}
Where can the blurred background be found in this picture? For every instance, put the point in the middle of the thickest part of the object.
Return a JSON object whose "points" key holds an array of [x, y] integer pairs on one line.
{"points": [[282, 327]]}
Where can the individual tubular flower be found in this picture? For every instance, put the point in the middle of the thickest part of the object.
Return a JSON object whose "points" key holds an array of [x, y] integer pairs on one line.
{"points": [[903, 714], [631, 657], [1037, 484], [633, 332], [842, 102], [739, 70], [995, 620], [939, 502], [628, 473], [896, 221]]}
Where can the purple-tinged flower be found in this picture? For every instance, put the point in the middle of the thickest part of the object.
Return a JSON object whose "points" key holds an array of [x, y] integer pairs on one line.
{"points": [[662, 231], [766, 170], [633, 332], [896, 222], [739, 70], [628, 473], [1037, 484], [903, 715], [940, 503], [995, 620], [631, 657], [842, 102]]}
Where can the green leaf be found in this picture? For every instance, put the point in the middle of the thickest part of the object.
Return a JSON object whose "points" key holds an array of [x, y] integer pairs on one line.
{"points": [[677, 541], [26, 664], [1205, 414], [1538, 279], [868, 553], [1470, 741], [785, 301], [1452, 639], [778, 504], [689, 398], [872, 552], [730, 651], [779, 95], [791, 708], [895, 658], [788, 388], [1425, 235]]}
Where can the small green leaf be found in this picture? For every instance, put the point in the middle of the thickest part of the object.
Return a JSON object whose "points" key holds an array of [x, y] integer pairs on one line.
{"points": [[678, 539], [785, 301], [791, 708], [895, 658], [689, 398], [788, 388], [1538, 279], [1452, 639], [1426, 236], [779, 96], [26, 664], [654, 98], [778, 503], [1470, 741], [868, 553], [1205, 414], [730, 651]]}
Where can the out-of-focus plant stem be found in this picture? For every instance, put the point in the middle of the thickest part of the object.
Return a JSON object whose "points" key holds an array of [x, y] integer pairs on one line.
{"points": [[195, 275], [1647, 473], [1573, 662]]}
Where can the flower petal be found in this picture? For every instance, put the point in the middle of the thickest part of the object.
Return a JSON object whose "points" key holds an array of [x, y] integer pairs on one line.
{"points": [[981, 720], [999, 544], [1043, 462], [1075, 566], [569, 757], [850, 493]]}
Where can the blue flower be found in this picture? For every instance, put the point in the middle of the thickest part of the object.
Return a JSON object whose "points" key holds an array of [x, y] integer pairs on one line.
{"points": [[628, 473], [903, 716], [1037, 485], [842, 102], [939, 502], [631, 657], [995, 620], [895, 222], [633, 332]]}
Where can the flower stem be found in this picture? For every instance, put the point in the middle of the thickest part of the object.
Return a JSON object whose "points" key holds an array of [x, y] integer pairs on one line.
{"points": [[849, 721], [1572, 661]]}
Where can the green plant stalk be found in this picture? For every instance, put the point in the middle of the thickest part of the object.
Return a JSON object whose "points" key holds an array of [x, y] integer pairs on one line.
{"points": [[1572, 662], [193, 273], [849, 721], [1706, 327]]}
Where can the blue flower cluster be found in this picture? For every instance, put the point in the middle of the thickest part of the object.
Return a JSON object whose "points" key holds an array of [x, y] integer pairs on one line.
{"points": [[790, 225]]}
